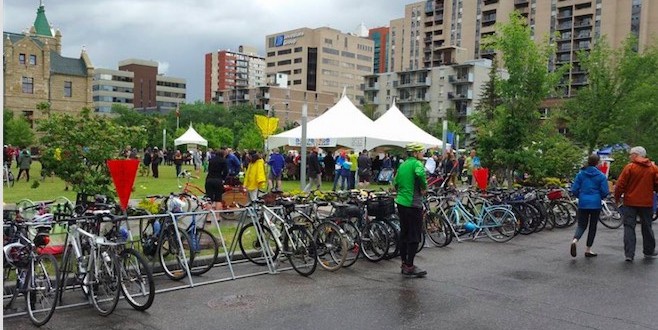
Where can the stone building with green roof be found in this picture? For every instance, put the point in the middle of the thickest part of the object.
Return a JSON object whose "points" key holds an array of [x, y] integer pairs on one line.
{"points": [[36, 72]]}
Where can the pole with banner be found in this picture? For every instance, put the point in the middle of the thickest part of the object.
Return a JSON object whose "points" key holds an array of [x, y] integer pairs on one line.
{"points": [[302, 172], [445, 136]]}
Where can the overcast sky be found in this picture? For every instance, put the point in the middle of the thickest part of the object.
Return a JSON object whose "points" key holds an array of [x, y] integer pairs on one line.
{"points": [[177, 33]]}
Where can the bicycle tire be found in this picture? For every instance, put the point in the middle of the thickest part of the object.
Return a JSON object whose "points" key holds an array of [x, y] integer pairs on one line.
{"points": [[353, 242], [374, 241], [421, 243], [248, 238], [505, 228], [26, 214], [137, 282], [437, 229], [201, 241], [71, 266], [45, 290], [610, 216], [572, 209], [301, 250], [393, 232], [106, 283], [331, 245], [169, 253], [561, 215]]}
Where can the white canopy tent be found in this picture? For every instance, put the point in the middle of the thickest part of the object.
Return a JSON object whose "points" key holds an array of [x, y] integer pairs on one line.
{"points": [[395, 129], [342, 125], [191, 137]]}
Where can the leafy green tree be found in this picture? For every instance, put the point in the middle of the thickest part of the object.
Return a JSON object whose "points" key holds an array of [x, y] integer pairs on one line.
{"points": [[370, 110], [503, 141], [489, 97], [17, 131], [251, 138], [217, 136], [75, 148]]}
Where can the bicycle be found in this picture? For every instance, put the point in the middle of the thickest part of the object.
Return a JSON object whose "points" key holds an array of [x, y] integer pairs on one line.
{"points": [[288, 239], [496, 221], [37, 275], [8, 176], [93, 262]]}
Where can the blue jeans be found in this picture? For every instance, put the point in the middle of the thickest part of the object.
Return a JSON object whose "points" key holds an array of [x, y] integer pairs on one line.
{"points": [[587, 218], [336, 178], [630, 214]]}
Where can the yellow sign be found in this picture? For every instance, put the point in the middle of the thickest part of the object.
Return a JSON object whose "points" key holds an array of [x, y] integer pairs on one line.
{"points": [[267, 125]]}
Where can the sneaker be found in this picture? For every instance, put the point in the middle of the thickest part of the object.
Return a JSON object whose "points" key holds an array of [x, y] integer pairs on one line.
{"points": [[652, 255], [573, 250], [590, 254], [413, 271], [629, 259]]}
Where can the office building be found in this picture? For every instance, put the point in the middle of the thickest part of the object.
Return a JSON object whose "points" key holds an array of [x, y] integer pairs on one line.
{"points": [[226, 70], [380, 38], [35, 72], [433, 31], [451, 91], [137, 84], [321, 60]]}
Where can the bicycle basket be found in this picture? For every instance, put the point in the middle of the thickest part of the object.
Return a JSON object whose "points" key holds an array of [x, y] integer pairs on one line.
{"points": [[269, 199], [381, 207], [555, 194]]}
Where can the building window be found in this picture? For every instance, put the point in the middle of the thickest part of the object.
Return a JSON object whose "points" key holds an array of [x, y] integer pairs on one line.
{"points": [[21, 58], [68, 89], [28, 85], [297, 82], [33, 60], [298, 49]]}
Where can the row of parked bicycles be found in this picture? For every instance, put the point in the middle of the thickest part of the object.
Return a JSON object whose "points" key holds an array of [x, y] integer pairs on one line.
{"points": [[103, 258]]}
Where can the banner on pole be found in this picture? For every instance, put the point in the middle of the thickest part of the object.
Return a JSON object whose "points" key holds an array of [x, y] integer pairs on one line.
{"points": [[267, 125]]}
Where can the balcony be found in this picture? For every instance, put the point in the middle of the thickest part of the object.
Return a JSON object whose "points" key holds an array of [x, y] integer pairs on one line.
{"points": [[451, 96], [372, 87], [583, 35], [565, 26], [579, 81], [583, 23], [486, 19], [521, 2], [564, 48], [564, 14]]}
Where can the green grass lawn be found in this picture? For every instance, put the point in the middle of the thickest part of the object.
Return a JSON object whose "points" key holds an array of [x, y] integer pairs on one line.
{"points": [[53, 187]]}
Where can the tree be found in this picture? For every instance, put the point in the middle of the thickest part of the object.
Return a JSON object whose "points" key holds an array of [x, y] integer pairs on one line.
{"points": [[503, 141], [489, 97], [77, 147], [370, 110], [17, 131], [217, 136], [250, 138]]}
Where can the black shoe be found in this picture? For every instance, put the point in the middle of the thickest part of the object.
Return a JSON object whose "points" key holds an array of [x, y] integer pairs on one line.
{"points": [[573, 250], [590, 254], [652, 255], [413, 271], [629, 259]]}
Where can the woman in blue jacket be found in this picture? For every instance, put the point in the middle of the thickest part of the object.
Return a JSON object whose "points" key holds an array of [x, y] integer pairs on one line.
{"points": [[590, 187]]}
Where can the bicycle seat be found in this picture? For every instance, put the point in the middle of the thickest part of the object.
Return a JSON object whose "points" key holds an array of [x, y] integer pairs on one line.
{"points": [[322, 203]]}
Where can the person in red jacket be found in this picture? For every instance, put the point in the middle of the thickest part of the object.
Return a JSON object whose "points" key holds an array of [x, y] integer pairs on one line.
{"points": [[637, 182]]}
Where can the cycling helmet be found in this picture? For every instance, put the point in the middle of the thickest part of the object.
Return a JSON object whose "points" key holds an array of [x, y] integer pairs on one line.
{"points": [[414, 147], [177, 205]]}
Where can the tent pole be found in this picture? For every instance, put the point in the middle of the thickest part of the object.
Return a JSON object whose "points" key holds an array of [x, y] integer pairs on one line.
{"points": [[302, 170]]}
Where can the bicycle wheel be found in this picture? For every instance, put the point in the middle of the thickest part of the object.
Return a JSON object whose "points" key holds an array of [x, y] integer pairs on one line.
{"points": [[41, 298], [572, 209], [105, 282], [421, 244], [26, 213], [610, 216], [561, 215], [70, 271], [331, 244], [499, 225], [136, 280], [374, 241], [206, 249], [171, 253], [251, 246], [301, 250], [437, 229], [353, 242], [393, 232]]}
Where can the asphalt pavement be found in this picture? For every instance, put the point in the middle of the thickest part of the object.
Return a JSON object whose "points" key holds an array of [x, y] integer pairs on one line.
{"points": [[530, 282]]}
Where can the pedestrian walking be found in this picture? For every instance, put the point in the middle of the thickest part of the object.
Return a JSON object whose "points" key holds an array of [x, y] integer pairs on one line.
{"points": [[24, 163], [635, 187], [178, 162], [411, 184], [217, 173], [276, 163], [156, 159], [590, 186], [314, 171]]}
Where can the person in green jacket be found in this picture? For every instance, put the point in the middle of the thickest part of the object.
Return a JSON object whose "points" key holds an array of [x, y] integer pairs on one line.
{"points": [[410, 183], [354, 160]]}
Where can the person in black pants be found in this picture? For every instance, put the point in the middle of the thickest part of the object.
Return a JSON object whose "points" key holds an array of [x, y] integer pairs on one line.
{"points": [[156, 159], [590, 186], [217, 173]]}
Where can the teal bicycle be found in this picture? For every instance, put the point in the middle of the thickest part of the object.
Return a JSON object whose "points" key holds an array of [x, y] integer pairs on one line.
{"points": [[496, 221]]}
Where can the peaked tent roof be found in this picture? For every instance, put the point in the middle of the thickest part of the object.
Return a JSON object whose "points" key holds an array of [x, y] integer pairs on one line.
{"points": [[343, 122], [191, 137], [394, 128]]}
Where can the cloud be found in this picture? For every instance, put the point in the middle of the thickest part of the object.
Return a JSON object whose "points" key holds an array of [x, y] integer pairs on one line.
{"points": [[178, 33]]}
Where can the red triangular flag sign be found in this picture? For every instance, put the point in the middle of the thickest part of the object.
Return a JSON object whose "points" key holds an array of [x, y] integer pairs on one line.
{"points": [[123, 173], [481, 176]]}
